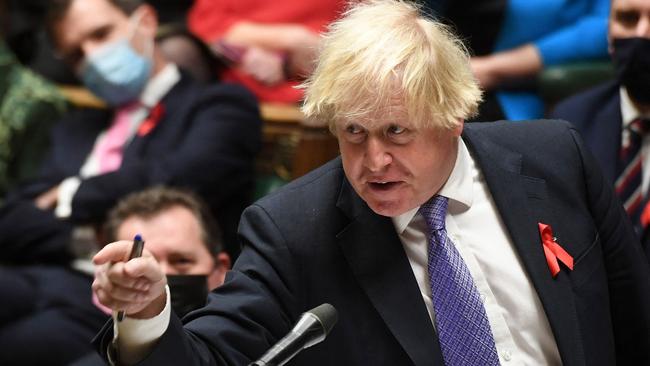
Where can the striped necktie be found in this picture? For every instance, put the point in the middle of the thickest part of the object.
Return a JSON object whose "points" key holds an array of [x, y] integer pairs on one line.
{"points": [[461, 321], [629, 182]]}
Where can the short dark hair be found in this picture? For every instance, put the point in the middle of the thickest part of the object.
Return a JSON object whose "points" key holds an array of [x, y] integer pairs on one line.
{"points": [[153, 201], [57, 9]]}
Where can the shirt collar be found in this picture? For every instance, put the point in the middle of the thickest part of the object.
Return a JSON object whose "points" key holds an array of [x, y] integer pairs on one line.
{"points": [[160, 85], [458, 187], [628, 111]]}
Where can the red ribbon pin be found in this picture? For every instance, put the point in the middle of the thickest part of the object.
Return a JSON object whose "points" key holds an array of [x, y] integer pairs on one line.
{"points": [[553, 251], [152, 120], [645, 216]]}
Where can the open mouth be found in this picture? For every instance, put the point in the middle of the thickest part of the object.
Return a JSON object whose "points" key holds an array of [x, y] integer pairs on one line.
{"points": [[383, 186]]}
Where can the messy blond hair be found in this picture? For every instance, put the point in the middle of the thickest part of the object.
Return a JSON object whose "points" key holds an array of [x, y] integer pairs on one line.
{"points": [[383, 49]]}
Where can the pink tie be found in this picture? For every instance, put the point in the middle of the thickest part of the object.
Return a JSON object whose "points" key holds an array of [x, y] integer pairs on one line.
{"points": [[110, 150]]}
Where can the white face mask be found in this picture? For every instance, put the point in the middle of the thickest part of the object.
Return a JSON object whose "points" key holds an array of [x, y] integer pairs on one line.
{"points": [[116, 72]]}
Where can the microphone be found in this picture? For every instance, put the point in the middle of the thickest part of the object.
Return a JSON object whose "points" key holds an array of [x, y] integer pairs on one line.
{"points": [[312, 328]]}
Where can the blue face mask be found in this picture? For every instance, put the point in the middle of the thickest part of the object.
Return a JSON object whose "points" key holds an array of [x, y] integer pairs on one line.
{"points": [[116, 72]]}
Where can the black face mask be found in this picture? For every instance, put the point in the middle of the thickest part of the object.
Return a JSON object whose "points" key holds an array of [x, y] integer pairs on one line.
{"points": [[632, 60], [188, 292]]}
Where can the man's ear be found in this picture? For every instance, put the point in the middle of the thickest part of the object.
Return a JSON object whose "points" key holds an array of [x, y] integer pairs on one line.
{"points": [[148, 20], [458, 130], [222, 264]]}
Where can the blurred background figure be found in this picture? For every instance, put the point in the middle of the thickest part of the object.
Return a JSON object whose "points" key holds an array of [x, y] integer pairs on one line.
{"points": [[270, 45], [29, 106], [28, 39], [614, 118], [514, 40], [48, 317], [160, 127]]}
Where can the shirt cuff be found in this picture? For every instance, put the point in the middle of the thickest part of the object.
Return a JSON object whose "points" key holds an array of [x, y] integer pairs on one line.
{"points": [[67, 189], [138, 336]]}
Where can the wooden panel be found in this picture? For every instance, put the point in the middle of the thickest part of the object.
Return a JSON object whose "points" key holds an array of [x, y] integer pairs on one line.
{"points": [[297, 147]]}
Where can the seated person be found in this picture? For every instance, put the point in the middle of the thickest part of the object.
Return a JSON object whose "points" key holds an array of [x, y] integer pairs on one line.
{"points": [[535, 34], [189, 53], [29, 106], [270, 44], [48, 317], [161, 128], [614, 117]]}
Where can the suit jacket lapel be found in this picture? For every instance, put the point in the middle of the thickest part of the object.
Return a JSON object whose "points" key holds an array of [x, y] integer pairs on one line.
{"points": [[378, 261], [521, 202]]}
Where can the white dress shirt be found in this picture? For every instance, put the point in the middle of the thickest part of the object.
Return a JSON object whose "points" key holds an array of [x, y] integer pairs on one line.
{"points": [[521, 330]]}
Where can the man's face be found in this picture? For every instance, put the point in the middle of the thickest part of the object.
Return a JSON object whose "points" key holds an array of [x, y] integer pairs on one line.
{"points": [[174, 238], [89, 25], [393, 166], [629, 18]]}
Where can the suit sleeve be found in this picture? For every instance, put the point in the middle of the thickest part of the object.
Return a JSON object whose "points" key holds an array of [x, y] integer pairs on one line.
{"points": [[626, 265], [214, 156]]}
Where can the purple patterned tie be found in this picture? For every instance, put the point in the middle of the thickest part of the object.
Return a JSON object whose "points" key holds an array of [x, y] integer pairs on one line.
{"points": [[461, 322]]}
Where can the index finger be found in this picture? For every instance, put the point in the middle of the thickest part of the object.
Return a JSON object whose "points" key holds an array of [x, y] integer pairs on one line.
{"points": [[114, 252]]}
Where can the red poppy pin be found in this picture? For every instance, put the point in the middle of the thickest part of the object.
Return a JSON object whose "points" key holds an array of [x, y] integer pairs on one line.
{"points": [[645, 216], [152, 120], [553, 251]]}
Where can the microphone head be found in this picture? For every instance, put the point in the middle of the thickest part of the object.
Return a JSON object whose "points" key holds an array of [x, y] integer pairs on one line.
{"points": [[326, 315]]}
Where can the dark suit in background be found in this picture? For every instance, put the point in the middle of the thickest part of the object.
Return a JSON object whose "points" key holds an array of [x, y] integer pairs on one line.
{"points": [[316, 241], [596, 114], [206, 140]]}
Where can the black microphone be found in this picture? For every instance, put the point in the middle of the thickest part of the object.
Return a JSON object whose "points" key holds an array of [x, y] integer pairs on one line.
{"points": [[312, 328]]}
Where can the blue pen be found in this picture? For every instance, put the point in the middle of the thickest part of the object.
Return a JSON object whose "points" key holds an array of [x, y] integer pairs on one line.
{"points": [[136, 252]]}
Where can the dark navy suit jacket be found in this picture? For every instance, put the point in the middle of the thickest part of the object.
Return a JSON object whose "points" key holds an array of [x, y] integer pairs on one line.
{"points": [[206, 140], [596, 114], [316, 241]]}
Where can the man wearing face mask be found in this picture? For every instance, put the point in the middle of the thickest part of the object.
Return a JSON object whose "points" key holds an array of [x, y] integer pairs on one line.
{"points": [[614, 118], [181, 233], [161, 128], [178, 230]]}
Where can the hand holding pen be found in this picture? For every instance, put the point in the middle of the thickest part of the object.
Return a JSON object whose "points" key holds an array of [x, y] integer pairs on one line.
{"points": [[135, 287], [136, 252]]}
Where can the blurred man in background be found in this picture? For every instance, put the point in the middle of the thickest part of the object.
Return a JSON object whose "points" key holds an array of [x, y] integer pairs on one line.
{"points": [[160, 128], [48, 316], [614, 118]]}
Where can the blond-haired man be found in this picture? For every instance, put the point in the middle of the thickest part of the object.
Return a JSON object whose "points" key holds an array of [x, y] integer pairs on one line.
{"points": [[438, 242]]}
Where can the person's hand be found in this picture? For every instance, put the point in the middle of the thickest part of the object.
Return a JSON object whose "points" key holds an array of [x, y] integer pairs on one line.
{"points": [[303, 54], [493, 70], [47, 200], [136, 286], [483, 69], [265, 66]]}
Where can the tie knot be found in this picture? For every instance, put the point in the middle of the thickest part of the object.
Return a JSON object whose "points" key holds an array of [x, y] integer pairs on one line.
{"points": [[434, 212]]}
